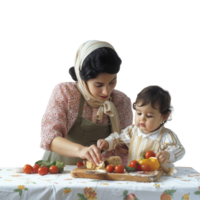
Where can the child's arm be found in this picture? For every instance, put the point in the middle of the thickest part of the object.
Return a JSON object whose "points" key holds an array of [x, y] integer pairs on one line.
{"points": [[172, 148], [113, 139]]}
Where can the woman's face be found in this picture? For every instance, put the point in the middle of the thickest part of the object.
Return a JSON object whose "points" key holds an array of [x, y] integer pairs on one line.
{"points": [[102, 86]]}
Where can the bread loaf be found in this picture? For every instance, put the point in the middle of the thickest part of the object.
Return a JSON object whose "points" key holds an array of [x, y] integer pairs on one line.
{"points": [[113, 160]]}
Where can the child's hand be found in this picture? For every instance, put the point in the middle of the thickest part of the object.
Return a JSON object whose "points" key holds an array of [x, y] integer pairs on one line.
{"points": [[163, 156], [102, 144]]}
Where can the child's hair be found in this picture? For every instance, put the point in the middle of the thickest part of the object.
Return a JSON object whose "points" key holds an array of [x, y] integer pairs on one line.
{"points": [[155, 95]]}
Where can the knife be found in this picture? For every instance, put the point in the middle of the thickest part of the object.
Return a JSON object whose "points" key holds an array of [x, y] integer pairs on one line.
{"points": [[96, 172]]}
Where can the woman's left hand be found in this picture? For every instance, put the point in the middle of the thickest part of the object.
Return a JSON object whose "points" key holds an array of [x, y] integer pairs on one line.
{"points": [[121, 150]]}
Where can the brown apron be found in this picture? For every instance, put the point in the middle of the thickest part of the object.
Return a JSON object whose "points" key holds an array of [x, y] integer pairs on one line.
{"points": [[139, 145], [83, 132]]}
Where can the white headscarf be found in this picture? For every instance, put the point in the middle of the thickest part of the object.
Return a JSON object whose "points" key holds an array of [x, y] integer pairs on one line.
{"points": [[106, 107]]}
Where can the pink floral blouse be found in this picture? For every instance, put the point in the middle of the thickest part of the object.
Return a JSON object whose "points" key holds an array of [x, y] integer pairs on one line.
{"points": [[62, 111]]}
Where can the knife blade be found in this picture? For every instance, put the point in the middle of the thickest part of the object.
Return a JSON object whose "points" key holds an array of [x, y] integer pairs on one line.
{"points": [[95, 172]]}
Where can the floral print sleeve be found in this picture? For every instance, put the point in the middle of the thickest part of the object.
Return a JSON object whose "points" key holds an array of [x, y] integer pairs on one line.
{"points": [[54, 121]]}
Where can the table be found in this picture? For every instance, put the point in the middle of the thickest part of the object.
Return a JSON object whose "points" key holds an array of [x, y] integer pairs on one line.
{"points": [[185, 185]]}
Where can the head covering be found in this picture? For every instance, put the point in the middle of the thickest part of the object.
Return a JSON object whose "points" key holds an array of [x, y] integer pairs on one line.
{"points": [[106, 107]]}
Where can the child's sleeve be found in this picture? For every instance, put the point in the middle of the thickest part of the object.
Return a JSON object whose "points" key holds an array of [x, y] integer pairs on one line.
{"points": [[172, 144], [123, 138]]}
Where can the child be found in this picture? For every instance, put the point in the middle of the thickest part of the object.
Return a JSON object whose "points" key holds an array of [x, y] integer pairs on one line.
{"points": [[152, 109]]}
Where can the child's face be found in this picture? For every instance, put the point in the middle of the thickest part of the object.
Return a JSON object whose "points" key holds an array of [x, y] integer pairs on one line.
{"points": [[147, 118]]}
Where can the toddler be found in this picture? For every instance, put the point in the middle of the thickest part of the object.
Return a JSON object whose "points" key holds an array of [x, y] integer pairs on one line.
{"points": [[152, 109]]}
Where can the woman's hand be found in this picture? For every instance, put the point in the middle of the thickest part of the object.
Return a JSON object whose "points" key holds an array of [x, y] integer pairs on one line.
{"points": [[102, 144], [163, 156], [92, 154], [121, 150]]}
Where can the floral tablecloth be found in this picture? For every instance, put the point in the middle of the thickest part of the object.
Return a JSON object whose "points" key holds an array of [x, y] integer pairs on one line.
{"points": [[184, 185]]}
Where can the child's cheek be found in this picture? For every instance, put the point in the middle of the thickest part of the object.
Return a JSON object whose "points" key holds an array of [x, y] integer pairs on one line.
{"points": [[136, 122], [151, 126]]}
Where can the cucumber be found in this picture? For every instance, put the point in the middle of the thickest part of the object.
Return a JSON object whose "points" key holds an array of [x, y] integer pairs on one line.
{"points": [[129, 169]]}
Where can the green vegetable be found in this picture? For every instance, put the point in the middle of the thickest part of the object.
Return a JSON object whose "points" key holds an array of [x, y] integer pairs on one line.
{"points": [[60, 165], [45, 163], [130, 169], [143, 156], [51, 163]]}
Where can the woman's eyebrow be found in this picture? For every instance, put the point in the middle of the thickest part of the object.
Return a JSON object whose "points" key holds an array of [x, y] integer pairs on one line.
{"points": [[103, 83]]}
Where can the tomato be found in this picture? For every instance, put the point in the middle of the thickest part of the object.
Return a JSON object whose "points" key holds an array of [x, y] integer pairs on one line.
{"points": [[43, 170], [110, 168], [53, 169], [27, 169], [138, 167], [79, 164], [149, 154], [145, 167], [119, 169], [133, 163], [35, 168]]}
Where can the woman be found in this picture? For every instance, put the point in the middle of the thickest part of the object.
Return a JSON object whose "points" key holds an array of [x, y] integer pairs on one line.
{"points": [[80, 113]]}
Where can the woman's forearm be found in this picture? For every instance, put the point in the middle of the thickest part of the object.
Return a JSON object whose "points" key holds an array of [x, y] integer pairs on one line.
{"points": [[65, 147]]}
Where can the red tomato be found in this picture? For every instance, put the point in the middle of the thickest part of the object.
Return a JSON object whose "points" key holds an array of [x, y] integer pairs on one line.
{"points": [[138, 167], [43, 170], [119, 169], [53, 169], [27, 169], [145, 167], [149, 154], [35, 168], [133, 163], [110, 168], [79, 164]]}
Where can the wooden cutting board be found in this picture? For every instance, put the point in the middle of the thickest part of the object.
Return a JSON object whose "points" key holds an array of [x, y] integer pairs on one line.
{"points": [[138, 176]]}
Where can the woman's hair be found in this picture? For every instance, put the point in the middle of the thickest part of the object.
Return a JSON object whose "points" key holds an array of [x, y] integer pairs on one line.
{"points": [[156, 96], [102, 60]]}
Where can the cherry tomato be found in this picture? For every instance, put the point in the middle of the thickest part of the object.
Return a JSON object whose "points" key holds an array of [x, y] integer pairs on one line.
{"points": [[133, 163], [149, 154], [119, 169], [145, 167], [110, 168], [35, 168], [27, 169], [79, 164], [43, 170], [138, 167], [53, 169]]}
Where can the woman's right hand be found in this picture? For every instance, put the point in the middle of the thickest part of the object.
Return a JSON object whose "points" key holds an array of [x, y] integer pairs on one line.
{"points": [[92, 154]]}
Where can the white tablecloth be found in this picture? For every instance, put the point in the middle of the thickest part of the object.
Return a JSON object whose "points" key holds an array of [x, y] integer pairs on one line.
{"points": [[184, 185]]}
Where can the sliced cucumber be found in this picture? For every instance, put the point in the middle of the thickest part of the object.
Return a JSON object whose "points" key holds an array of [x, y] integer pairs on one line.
{"points": [[129, 169]]}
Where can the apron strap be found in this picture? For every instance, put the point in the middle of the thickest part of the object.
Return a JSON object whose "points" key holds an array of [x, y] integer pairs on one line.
{"points": [[81, 104]]}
